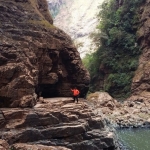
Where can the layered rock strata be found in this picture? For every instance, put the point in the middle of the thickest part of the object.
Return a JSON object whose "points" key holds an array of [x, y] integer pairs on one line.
{"points": [[36, 58], [5, 146], [56, 122]]}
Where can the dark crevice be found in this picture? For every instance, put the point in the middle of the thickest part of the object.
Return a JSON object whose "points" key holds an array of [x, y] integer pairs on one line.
{"points": [[47, 90], [5, 101]]}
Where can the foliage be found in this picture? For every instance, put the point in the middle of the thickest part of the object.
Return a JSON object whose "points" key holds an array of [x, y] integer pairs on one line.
{"points": [[119, 51], [90, 61]]}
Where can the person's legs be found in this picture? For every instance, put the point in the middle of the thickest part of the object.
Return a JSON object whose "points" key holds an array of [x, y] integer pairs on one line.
{"points": [[73, 98], [77, 98]]}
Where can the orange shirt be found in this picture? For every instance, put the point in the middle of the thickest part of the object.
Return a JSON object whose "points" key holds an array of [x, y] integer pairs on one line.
{"points": [[75, 92]]}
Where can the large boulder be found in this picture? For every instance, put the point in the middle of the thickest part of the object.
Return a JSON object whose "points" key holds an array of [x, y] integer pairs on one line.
{"points": [[102, 100], [36, 58]]}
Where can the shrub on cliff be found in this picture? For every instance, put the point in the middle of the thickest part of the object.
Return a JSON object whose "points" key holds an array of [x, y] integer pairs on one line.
{"points": [[116, 59]]}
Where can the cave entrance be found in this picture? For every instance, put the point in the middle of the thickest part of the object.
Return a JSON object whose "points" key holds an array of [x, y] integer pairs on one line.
{"points": [[5, 101], [47, 90]]}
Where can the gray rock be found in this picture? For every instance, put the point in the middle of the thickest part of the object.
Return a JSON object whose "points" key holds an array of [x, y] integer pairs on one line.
{"points": [[49, 124]]}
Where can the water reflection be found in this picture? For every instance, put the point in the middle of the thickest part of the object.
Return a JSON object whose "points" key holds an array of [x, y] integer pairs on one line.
{"points": [[135, 139]]}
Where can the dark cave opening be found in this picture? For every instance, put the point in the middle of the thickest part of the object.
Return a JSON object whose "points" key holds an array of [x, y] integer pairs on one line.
{"points": [[5, 101], [47, 90], [57, 90]]}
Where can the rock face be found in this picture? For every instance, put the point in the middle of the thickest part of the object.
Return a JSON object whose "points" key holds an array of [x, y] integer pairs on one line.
{"points": [[35, 56], [21, 146], [126, 114], [78, 19], [56, 122], [141, 80]]}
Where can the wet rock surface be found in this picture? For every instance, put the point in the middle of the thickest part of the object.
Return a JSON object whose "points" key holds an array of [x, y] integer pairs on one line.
{"points": [[56, 122], [36, 58], [121, 114]]}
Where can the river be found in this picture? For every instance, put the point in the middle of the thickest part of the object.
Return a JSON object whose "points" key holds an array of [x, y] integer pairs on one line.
{"points": [[134, 139]]}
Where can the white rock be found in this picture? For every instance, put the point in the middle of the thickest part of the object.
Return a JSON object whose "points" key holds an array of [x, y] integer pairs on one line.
{"points": [[78, 19]]}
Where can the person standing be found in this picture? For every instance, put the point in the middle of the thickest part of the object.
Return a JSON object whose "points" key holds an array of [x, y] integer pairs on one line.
{"points": [[76, 93]]}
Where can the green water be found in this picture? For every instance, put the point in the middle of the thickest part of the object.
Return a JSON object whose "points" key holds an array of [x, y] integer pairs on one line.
{"points": [[135, 139]]}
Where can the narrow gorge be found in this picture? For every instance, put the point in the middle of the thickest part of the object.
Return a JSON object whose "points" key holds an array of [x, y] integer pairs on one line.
{"points": [[39, 64], [120, 64]]}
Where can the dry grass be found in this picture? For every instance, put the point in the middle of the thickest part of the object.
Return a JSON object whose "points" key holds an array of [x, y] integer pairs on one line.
{"points": [[144, 115], [44, 23], [93, 96]]}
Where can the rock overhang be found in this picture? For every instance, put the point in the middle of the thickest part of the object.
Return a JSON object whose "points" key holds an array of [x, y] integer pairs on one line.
{"points": [[36, 57]]}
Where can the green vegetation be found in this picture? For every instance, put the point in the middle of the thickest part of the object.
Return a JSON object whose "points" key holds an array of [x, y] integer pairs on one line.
{"points": [[116, 59], [44, 23]]}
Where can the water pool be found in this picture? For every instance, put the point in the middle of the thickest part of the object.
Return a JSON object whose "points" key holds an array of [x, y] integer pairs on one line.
{"points": [[134, 139]]}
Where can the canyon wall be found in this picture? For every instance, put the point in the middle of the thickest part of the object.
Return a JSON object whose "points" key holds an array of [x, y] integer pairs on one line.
{"points": [[141, 81], [36, 58]]}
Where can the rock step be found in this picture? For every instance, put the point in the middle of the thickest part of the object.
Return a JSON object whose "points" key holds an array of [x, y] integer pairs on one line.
{"points": [[19, 118], [95, 138], [33, 120], [21, 146], [58, 131], [71, 125]]}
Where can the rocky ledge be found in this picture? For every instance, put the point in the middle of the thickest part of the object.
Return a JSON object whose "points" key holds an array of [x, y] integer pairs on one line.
{"points": [[130, 113], [55, 122]]}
